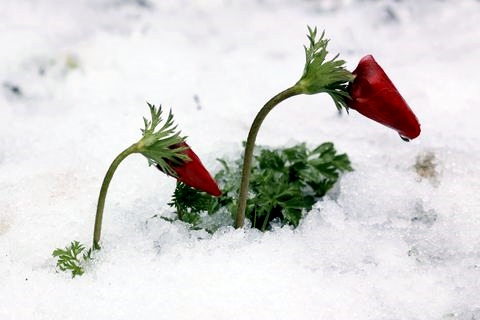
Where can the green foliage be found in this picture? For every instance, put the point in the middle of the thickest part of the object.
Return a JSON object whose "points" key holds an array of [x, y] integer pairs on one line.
{"points": [[190, 202], [284, 185], [321, 75], [71, 258]]}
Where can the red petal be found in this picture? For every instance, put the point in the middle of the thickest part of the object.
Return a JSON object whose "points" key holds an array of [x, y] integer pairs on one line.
{"points": [[194, 174], [374, 95]]}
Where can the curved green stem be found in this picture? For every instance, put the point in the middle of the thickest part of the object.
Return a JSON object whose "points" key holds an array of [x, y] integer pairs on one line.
{"points": [[250, 145], [103, 192]]}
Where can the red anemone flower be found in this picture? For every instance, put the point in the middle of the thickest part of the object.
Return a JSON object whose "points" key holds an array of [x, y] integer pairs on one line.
{"points": [[193, 173], [374, 95]]}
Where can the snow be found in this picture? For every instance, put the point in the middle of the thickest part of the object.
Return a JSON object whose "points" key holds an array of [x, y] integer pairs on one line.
{"points": [[385, 244]]}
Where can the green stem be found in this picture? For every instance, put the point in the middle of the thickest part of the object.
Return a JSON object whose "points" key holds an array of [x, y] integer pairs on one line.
{"points": [[265, 222], [250, 144], [103, 192]]}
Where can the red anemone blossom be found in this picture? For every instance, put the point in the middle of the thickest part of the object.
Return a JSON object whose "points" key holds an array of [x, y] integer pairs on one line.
{"points": [[193, 173], [374, 95]]}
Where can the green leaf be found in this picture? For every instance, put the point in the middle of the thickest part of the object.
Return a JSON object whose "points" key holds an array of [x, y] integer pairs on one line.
{"points": [[71, 259], [190, 202]]}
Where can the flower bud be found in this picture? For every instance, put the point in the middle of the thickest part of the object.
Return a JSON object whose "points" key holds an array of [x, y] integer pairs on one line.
{"points": [[374, 95], [193, 173]]}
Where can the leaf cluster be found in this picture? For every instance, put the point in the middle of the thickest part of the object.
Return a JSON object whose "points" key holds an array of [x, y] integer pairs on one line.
{"points": [[321, 75], [162, 146], [190, 202], [73, 258], [284, 185]]}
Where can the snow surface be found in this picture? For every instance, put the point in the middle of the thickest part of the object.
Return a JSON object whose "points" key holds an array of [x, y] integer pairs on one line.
{"points": [[386, 244]]}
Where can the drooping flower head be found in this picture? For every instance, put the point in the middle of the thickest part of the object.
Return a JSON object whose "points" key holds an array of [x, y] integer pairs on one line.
{"points": [[192, 172], [164, 147], [374, 95]]}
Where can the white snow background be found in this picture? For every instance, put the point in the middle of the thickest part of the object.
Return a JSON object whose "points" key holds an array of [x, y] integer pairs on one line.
{"points": [[385, 244]]}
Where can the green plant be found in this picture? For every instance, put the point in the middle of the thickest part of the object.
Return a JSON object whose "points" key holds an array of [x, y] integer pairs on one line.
{"points": [[73, 258], [284, 185], [319, 75], [164, 148]]}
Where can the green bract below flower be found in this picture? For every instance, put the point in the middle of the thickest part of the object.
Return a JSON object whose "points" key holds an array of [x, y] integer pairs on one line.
{"points": [[321, 75]]}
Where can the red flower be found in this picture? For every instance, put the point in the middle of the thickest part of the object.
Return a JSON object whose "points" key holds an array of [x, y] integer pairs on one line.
{"points": [[194, 174], [375, 96]]}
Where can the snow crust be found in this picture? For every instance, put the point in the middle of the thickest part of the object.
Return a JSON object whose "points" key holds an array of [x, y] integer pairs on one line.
{"points": [[399, 238]]}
